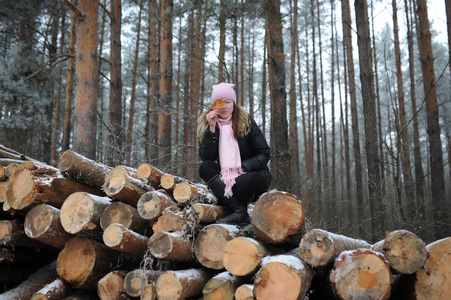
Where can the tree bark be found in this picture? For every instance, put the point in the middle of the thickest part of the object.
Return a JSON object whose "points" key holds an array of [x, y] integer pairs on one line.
{"points": [[319, 248], [56, 289], [361, 274], [43, 224], [83, 169], [440, 207], [85, 116], [278, 217]]}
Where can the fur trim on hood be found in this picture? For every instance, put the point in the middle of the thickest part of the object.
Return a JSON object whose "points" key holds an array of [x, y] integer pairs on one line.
{"points": [[244, 122]]}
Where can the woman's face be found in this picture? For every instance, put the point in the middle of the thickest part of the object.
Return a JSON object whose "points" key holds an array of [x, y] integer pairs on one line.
{"points": [[227, 110]]}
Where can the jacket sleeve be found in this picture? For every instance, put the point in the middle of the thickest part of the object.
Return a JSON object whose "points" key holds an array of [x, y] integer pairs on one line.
{"points": [[208, 148], [259, 148]]}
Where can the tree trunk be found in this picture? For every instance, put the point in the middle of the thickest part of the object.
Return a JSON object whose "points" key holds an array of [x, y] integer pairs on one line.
{"points": [[440, 207], [133, 92], [32, 183], [369, 114], [80, 213], [111, 286], [319, 248], [282, 277], [83, 169], [116, 134], [278, 217], [171, 246], [405, 252], [210, 243], [361, 274], [165, 87], [182, 284], [43, 224], [85, 116], [83, 262], [221, 286], [127, 215], [279, 124]]}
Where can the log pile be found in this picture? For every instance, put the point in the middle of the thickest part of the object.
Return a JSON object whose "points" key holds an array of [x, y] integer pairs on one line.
{"points": [[89, 231]]}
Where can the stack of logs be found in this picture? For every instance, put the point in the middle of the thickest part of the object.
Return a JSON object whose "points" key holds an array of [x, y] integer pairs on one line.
{"points": [[88, 231]]}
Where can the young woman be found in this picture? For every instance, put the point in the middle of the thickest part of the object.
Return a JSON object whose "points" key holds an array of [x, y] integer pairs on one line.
{"points": [[234, 154]]}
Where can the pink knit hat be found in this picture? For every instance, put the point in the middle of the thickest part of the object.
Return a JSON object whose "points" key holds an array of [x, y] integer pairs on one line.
{"points": [[223, 90]]}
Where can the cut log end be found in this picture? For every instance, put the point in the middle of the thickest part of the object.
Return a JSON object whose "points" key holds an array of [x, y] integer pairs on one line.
{"points": [[114, 183], [241, 256], [277, 281], [21, 191]]}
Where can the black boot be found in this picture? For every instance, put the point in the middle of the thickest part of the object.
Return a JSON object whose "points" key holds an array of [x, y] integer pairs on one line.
{"points": [[239, 209]]}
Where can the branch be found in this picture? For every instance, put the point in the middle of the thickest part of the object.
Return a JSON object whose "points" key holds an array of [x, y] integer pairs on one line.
{"points": [[106, 10], [63, 58], [80, 15]]}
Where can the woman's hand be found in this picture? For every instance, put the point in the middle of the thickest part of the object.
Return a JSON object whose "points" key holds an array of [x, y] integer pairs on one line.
{"points": [[212, 118]]}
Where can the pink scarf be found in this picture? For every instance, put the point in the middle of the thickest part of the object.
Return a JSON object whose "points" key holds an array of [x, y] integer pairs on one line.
{"points": [[229, 155]]}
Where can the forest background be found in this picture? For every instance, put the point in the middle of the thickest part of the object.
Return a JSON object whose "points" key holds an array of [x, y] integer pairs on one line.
{"points": [[354, 98]]}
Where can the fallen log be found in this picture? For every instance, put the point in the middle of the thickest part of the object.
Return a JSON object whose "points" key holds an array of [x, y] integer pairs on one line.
{"points": [[242, 255], [222, 286], [210, 243], [361, 274], [32, 183], [42, 223], [319, 248], [34, 283], [81, 212], [150, 173], [245, 292], [152, 204], [83, 169], [181, 284], [405, 252], [209, 213], [123, 187], [138, 282], [122, 239], [278, 217], [12, 234], [127, 215], [83, 262], [111, 286], [54, 290], [171, 246], [282, 277]]}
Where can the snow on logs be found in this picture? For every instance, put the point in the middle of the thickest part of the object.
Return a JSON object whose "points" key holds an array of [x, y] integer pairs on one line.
{"points": [[155, 218]]}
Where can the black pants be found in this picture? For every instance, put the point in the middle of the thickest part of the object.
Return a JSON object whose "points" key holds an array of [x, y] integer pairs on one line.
{"points": [[247, 187]]}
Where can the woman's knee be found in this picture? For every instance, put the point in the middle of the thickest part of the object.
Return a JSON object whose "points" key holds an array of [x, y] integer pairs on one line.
{"points": [[208, 169]]}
